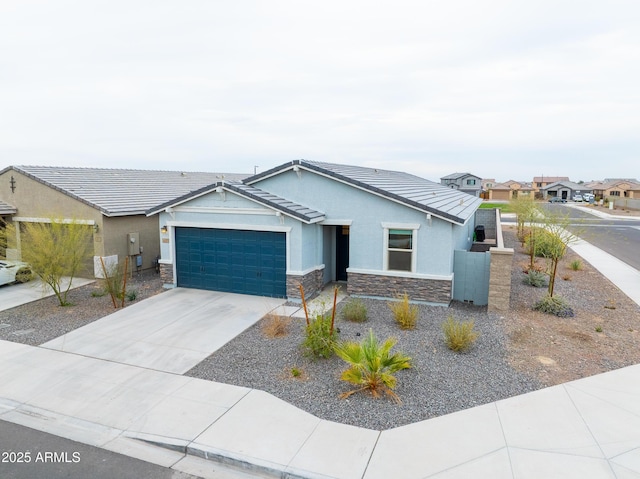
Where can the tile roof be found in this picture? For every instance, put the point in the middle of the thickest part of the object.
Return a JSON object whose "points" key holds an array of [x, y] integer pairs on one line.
{"points": [[277, 203], [120, 192], [7, 209], [410, 190], [549, 179], [455, 176], [566, 184]]}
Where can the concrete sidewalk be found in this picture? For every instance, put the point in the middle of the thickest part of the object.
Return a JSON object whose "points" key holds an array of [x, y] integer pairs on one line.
{"points": [[602, 213], [588, 428]]}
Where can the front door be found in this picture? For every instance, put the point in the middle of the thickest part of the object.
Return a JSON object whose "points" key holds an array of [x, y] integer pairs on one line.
{"points": [[342, 252]]}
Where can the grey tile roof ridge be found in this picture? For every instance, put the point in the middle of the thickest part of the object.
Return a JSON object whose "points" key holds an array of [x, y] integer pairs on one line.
{"points": [[567, 184], [422, 194], [120, 191], [301, 212]]}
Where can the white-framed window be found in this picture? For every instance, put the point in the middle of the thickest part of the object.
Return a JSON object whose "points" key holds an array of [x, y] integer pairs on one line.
{"points": [[400, 247], [471, 182]]}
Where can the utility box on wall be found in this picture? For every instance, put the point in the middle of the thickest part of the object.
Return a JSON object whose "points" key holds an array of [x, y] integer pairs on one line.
{"points": [[133, 240]]}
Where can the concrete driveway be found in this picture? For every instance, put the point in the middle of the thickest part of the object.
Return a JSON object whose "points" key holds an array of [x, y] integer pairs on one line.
{"points": [[170, 332], [12, 295]]}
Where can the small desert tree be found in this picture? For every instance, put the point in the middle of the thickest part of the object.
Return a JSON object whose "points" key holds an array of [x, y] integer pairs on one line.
{"points": [[526, 211], [56, 250], [553, 243]]}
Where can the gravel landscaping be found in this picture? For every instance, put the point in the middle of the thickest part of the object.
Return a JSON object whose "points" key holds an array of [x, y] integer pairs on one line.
{"points": [[40, 321], [440, 381], [517, 352]]}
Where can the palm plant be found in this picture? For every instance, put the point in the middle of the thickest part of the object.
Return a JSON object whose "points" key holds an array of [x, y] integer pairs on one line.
{"points": [[371, 366]]}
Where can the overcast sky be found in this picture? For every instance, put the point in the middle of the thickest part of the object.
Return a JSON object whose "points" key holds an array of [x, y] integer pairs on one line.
{"points": [[500, 89]]}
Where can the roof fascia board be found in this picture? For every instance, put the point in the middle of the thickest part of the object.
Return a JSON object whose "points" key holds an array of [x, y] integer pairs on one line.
{"points": [[237, 191], [183, 199]]}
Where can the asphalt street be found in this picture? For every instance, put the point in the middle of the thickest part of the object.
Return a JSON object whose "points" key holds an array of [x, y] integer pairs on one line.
{"points": [[29, 454], [619, 238]]}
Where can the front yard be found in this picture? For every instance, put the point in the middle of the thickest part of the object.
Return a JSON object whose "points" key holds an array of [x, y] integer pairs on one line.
{"points": [[515, 352]]}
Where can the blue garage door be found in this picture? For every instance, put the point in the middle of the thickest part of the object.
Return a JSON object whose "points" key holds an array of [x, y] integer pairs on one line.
{"points": [[234, 261]]}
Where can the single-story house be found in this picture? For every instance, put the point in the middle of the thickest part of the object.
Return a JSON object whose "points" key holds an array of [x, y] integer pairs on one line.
{"points": [[564, 189], [465, 182], [614, 189], [112, 202], [311, 223], [506, 191]]}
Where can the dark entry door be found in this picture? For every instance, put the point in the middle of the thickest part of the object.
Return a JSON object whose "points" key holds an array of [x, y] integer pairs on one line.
{"points": [[342, 252]]}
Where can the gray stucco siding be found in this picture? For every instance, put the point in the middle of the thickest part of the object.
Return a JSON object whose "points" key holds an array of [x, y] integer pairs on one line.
{"points": [[367, 213]]}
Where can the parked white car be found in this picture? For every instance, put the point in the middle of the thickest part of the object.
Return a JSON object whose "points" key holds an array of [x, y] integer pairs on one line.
{"points": [[577, 198], [14, 272]]}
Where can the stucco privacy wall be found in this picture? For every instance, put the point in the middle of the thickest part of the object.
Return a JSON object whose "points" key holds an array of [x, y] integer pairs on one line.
{"points": [[366, 213]]}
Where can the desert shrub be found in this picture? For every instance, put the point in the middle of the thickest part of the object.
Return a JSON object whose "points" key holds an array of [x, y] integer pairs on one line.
{"points": [[132, 295], [566, 277], [405, 314], [354, 310], [459, 335], [535, 278], [320, 338], [371, 365], [555, 305], [576, 265], [275, 326]]}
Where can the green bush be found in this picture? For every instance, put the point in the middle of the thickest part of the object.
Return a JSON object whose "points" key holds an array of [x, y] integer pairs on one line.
{"points": [[354, 310], [320, 339], [535, 278], [555, 305], [576, 265], [542, 242], [371, 366], [132, 295], [459, 335], [405, 314]]}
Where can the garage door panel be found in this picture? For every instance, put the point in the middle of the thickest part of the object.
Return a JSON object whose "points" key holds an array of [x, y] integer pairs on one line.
{"points": [[249, 262]]}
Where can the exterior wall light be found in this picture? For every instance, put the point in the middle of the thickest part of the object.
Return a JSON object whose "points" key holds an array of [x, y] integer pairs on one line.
{"points": [[164, 230]]}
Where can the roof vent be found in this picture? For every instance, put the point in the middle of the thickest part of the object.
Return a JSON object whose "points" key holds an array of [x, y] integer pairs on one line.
{"points": [[183, 174], [461, 201]]}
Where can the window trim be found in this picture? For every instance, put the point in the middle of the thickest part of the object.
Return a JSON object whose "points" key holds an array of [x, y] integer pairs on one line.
{"points": [[413, 227]]}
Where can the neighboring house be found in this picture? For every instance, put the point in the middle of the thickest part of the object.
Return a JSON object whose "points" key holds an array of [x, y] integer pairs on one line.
{"points": [[382, 232], [110, 201], [505, 191], [620, 188], [465, 182], [564, 189], [540, 182], [499, 192]]}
